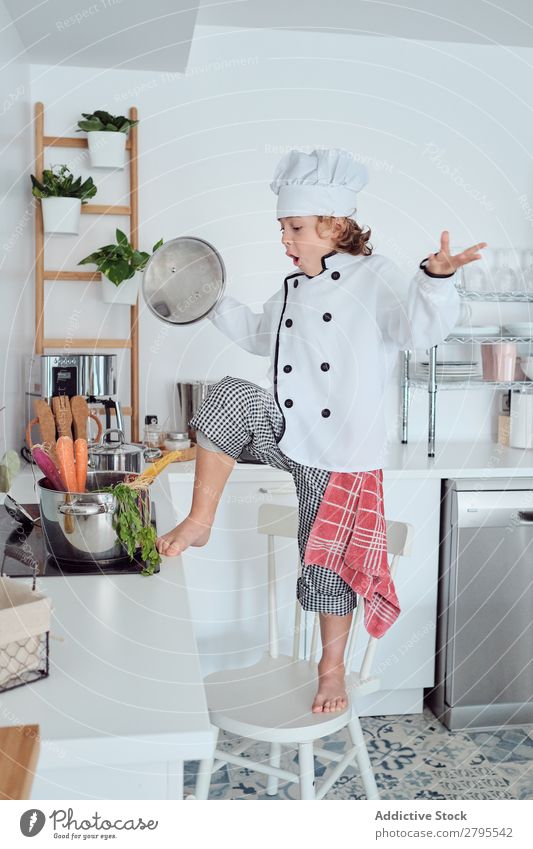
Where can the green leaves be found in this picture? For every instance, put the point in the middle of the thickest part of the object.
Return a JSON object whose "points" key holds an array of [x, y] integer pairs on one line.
{"points": [[120, 261], [58, 181], [101, 121], [133, 525]]}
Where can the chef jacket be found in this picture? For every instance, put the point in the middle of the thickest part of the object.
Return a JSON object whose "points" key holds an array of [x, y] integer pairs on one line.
{"points": [[333, 340]]}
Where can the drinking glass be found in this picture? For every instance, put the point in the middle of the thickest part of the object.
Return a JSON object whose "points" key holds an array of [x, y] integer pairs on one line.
{"points": [[504, 276]]}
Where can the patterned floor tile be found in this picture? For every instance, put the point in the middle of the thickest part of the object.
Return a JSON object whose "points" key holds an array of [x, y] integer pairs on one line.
{"points": [[507, 744], [413, 757]]}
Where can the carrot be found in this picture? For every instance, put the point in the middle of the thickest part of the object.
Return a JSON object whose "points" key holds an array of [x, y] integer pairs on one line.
{"points": [[82, 458], [65, 456]]}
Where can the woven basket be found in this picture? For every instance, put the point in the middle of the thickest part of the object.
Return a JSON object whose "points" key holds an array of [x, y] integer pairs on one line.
{"points": [[24, 628]]}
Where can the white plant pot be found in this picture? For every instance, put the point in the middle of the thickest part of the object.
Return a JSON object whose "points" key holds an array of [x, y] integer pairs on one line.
{"points": [[107, 149], [61, 215], [125, 293]]}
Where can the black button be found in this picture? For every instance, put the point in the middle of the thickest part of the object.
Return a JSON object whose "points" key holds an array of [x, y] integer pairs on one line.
{"points": [[326, 413], [325, 366], [327, 316], [288, 402], [288, 323], [287, 369], [335, 275], [295, 284]]}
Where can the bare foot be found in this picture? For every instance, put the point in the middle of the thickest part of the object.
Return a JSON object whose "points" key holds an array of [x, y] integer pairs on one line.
{"points": [[189, 532], [331, 695]]}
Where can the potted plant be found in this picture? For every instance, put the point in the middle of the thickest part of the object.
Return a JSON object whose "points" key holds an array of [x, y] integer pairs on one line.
{"points": [[121, 267], [61, 198], [106, 138]]}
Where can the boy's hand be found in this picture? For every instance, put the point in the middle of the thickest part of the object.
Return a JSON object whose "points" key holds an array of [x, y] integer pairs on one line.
{"points": [[443, 263]]}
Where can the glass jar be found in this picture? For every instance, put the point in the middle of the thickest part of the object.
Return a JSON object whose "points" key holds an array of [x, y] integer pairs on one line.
{"points": [[153, 437], [177, 440]]}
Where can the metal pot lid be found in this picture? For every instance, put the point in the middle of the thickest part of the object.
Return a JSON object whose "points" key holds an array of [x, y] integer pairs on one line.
{"points": [[183, 280], [106, 446]]}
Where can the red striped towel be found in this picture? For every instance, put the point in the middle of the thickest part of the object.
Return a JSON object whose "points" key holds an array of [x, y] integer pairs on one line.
{"points": [[349, 536]]}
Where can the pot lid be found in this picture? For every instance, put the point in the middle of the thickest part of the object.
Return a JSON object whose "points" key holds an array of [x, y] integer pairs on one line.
{"points": [[115, 446], [183, 280]]}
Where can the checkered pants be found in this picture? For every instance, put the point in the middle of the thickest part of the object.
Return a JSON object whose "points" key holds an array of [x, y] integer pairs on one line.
{"points": [[236, 414]]}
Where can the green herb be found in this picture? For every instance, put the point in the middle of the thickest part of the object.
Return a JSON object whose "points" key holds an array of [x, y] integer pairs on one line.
{"points": [[58, 181], [120, 261], [132, 523], [100, 120]]}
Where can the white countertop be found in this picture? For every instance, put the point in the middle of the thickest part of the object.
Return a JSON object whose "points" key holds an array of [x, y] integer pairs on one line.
{"points": [[452, 460], [125, 684]]}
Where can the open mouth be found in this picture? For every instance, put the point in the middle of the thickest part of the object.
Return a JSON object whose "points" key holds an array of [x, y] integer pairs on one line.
{"points": [[295, 259]]}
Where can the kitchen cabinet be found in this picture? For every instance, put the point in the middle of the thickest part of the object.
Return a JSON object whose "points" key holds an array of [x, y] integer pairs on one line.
{"points": [[226, 579]]}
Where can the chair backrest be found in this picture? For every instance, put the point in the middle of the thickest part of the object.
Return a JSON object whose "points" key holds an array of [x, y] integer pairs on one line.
{"points": [[279, 520]]}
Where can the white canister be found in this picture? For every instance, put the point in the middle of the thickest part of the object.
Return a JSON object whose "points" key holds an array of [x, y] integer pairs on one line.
{"points": [[177, 440], [521, 424]]}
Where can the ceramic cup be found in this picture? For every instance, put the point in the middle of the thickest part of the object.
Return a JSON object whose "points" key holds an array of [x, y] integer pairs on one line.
{"points": [[499, 361]]}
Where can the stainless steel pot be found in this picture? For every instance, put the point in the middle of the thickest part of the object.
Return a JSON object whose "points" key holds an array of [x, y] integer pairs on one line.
{"points": [[115, 455], [189, 398], [78, 527]]}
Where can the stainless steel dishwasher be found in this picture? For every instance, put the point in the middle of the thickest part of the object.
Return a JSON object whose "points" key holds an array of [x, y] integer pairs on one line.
{"points": [[484, 641]]}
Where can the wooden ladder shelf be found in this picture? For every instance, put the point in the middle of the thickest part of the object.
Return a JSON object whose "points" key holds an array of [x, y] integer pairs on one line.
{"points": [[41, 274]]}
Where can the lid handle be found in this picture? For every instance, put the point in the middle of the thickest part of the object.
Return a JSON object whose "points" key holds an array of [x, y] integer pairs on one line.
{"points": [[121, 438]]}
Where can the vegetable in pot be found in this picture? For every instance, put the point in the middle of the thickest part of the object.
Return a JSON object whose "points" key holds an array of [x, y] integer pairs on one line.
{"points": [[65, 456], [48, 467]]}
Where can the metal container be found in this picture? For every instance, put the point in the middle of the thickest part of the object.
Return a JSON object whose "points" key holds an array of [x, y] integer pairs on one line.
{"points": [[77, 374], [190, 396], [78, 527], [115, 455]]}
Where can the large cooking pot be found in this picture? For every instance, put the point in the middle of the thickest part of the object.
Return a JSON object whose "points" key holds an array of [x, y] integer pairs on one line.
{"points": [[190, 396], [115, 455], [78, 527]]}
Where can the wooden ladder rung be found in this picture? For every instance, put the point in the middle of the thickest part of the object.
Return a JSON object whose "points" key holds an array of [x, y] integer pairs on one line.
{"points": [[70, 141], [86, 343], [102, 209], [71, 275], [126, 411]]}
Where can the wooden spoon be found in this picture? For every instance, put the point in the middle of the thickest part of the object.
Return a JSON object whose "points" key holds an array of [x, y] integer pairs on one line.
{"points": [[63, 415], [47, 426]]}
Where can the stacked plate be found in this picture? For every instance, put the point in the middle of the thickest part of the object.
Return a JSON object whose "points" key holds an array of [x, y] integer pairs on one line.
{"points": [[451, 369], [476, 330], [519, 328]]}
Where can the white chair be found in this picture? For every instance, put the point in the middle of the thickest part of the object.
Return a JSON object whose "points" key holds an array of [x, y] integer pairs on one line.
{"points": [[271, 700]]}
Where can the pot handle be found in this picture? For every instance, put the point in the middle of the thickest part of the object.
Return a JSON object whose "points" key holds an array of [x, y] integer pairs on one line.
{"points": [[82, 508]]}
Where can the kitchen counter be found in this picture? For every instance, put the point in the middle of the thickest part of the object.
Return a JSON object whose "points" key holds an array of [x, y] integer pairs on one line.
{"points": [[124, 704], [452, 460]]}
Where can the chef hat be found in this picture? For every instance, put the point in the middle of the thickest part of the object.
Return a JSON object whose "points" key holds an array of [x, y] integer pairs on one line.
{"points": [[324, 182]]}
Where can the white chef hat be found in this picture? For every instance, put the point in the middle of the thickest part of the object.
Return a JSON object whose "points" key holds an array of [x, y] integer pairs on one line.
{"points": [[324, 182]]}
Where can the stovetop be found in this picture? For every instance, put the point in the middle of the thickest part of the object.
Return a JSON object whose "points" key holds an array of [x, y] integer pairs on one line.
{"points": [[22, 549]]}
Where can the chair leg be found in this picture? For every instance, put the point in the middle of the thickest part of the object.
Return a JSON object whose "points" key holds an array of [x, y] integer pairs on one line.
{"points": [[307, 770], [363, 759], [274, 760], [205, 771]]}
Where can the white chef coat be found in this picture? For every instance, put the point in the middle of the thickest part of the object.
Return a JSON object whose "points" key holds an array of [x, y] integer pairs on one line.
{"points": [[333, 340]]}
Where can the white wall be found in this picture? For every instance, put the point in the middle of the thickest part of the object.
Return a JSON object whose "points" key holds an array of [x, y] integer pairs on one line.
{"points": [[443, 129], [16, 232]]}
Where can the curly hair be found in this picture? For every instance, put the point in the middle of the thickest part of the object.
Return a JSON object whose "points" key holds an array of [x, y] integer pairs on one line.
{"points": [[352, 239]]}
